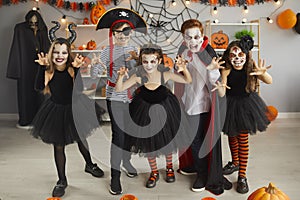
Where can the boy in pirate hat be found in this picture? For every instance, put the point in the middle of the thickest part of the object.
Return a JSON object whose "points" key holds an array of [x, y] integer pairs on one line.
{"points": [[121, 22]]}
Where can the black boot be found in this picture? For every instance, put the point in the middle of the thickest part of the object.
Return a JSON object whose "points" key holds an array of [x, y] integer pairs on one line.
{"points": [[115, 184]]}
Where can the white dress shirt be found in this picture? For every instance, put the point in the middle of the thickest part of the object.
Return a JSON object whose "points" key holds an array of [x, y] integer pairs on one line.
{"points": [[196, 96]]}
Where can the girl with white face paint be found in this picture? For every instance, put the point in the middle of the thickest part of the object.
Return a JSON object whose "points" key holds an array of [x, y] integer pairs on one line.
{"points": [[57, 120], [152, 77], [246, 111]]}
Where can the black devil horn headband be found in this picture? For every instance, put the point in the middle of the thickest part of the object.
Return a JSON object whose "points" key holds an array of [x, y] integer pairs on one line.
{"points": [[73, 36], [52, 31]]}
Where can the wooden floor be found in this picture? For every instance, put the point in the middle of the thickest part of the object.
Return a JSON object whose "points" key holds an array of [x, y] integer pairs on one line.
{"points": [[28, 171]]}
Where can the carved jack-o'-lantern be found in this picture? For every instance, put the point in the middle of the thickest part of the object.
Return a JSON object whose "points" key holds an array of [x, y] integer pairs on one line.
{"points": [[219, 40], [91, 45], [96, 12], [168, 62]]}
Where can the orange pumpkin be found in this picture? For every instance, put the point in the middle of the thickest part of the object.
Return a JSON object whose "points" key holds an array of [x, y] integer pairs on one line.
{"points": [[268, 193], [97, 11], [219, 40], [168, 62], [271, 113], [128, 197], [91, 45], [287, 19]]}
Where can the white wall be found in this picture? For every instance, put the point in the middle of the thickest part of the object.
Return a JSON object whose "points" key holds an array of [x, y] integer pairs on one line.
{"points": [[279, 47]]}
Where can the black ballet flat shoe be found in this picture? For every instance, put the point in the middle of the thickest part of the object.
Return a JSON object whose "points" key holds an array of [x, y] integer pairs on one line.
{"points": [[170, 176], [115, 186], [227, 184], [242, 185], [94, 170], [130, 170], [230, 168], [151, 183], [59, 189]]}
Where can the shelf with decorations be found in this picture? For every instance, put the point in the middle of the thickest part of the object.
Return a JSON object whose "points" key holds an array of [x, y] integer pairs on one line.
{"points": [[220, 35], [87, 45]]}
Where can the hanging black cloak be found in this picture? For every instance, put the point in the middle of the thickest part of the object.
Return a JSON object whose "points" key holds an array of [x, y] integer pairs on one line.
{"points": [[21, 65]]}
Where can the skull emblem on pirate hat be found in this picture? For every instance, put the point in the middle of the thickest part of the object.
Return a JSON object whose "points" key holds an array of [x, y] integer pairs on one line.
{"points": [[116, 15]]}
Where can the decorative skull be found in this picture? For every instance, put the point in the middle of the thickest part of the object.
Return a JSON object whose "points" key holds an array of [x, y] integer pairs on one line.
{"points": [[123, 14]]}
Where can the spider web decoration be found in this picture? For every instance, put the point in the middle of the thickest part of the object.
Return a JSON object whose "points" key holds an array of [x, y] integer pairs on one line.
{"points": [[164, 22]]}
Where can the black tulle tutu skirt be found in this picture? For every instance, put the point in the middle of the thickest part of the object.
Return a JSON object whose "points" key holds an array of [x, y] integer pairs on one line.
{"points": [[245, 114], [158, 116], [60, 124]]}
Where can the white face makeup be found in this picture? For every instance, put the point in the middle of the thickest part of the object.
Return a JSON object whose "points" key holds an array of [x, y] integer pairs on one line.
{"points": [[60, 54], [150, 62], [122, 35], [237, 57], [193, 39]]}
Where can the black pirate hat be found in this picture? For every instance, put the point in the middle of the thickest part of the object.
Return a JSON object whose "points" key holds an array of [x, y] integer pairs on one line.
{"points": [[116, 15]]}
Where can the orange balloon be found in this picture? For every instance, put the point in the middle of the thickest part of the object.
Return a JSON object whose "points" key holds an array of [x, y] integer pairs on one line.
{"points": [[287, 19]]}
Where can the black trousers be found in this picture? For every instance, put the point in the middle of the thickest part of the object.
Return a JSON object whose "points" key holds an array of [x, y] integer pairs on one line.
{"points": [[117, 113]]}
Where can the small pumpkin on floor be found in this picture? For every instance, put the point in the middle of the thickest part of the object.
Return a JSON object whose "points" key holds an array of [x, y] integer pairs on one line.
{"points": [[268, 193], [128, 197], [271, 113]]}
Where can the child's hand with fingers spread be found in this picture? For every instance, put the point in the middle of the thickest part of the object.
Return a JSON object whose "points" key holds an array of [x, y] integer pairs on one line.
{"points": [[180, 63], [78, 61], [219, 85], [260, 69], [216, 64], [123, 71], [43, 59], [133, 56]]}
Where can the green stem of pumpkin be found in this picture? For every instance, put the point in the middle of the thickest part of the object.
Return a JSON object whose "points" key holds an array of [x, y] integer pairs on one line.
{"points": [[271, 189]]}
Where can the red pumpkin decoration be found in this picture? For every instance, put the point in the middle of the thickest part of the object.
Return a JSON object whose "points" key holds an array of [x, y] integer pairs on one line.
{"points": [[287, 19], [86, 21], [232, 2], [97, 11], [271, 113], [219, 40], [268, 193], [91, 45], [168, 62]]}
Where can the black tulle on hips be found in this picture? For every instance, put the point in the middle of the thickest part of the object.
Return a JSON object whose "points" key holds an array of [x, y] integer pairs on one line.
{"points": [[165, 141], [245, 114], [61, 124]]}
